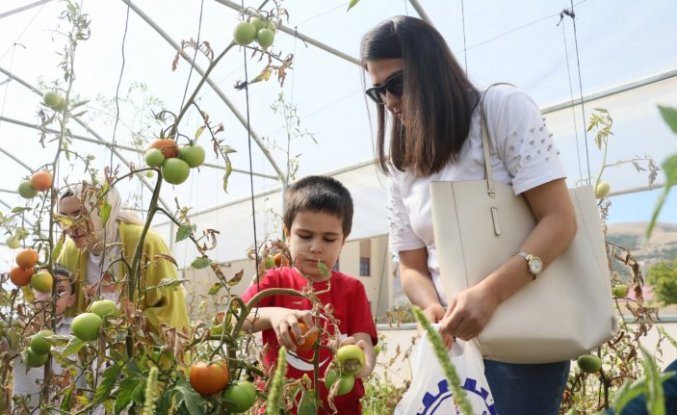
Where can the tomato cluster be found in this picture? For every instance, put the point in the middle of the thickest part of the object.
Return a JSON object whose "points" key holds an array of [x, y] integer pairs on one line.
{"points": [[40, 181], [257, 28], [175, 162]]}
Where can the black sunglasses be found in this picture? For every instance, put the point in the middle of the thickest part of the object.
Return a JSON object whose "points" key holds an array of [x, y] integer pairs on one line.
{"points": [[394, 85]]}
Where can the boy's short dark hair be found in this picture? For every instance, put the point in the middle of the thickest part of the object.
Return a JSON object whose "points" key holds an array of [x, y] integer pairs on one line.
{"points": [[319, 194], [62, 273]]}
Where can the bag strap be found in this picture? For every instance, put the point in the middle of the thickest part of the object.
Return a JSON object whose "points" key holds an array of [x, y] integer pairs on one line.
{"points": [[488, 172]]}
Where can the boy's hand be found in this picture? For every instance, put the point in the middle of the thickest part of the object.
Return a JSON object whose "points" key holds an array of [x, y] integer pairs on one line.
{"points": [[290, 321], [369, 357]]}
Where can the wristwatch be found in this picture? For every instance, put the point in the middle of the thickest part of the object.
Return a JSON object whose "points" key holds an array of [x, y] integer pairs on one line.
{"points": [[534, 263]]}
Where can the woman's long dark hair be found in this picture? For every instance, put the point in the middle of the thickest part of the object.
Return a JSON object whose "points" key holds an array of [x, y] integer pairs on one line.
{"points": [[438, 97]]}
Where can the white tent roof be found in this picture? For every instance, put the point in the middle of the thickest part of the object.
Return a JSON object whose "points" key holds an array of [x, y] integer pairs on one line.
{"points": [[626, 50]]}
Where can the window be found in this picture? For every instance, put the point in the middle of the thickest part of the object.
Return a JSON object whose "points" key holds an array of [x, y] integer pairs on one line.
{"points": [[365, 258], [364, 267]]}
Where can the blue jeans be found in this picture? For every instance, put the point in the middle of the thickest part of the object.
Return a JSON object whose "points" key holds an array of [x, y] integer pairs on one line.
{"points": [[527, 389]]}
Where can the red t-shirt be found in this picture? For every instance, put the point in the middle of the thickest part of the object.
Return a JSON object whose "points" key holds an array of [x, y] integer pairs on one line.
{"points": [[350, 309]]}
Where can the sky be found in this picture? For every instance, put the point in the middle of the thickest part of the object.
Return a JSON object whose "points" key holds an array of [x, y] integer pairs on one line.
{"points": [[524, 42]]}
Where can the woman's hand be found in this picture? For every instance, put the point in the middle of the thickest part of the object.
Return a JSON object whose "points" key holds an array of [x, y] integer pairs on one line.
{"points": [[469, 312]]}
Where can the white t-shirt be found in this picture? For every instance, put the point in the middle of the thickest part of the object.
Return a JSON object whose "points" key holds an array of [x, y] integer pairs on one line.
{"points": [[28, 382], [522, 153]]}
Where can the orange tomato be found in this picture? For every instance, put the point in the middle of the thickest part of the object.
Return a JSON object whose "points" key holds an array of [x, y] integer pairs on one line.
{"points": [[20, 277], [27, 258], [41, 181], [308, 339], [167, 146], [208, 378]]}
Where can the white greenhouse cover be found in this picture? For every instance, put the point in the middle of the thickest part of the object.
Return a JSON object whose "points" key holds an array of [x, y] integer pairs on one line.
{"points": [[625, 53]]}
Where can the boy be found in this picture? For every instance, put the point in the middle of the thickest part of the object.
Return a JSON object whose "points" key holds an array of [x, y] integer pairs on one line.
{"points": [[317, 220], [26, 387]]}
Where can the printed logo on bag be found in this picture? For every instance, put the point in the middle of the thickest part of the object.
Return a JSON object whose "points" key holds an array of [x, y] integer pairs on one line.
{"points": [[441, 401]]}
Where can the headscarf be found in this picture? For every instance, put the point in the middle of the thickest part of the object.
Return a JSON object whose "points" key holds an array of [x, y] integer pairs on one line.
{"points": [[94, 204]]}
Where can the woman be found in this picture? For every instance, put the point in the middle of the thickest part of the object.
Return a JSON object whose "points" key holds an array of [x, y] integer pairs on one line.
{"points": [[435, 135], [97, 240]]}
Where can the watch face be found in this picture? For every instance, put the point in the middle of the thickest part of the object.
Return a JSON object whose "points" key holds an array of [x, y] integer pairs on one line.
{"points": [[535, 265]]}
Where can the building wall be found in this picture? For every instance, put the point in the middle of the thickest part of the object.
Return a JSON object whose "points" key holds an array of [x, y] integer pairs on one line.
{"points": [[378, 284]]}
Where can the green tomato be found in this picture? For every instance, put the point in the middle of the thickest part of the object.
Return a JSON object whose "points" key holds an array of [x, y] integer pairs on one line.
{"points": [[244, 33], [240, 396], [102, 308], [86, 326], [602, 190], [265, 38], [154, 157], [269, 262], [620, 291], [12, 242], [194, 155], [42, 281], [351, 358], [26, 190], [175, 171], [35, 359], [54, 101], [345, 384], [589, 363], [38, 343], [258, 23]]}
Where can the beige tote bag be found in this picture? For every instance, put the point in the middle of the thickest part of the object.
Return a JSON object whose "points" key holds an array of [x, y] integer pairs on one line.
{"points": [[566, 311]]}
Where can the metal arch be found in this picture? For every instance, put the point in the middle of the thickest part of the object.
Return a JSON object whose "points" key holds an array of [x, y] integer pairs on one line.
{"points": [[295, 33], [89, 129], [23, 8], [421, 12], [117, 146], [211, 83]]}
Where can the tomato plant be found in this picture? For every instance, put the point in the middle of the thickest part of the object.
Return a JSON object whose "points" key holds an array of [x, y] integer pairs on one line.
{"points": [[194, 155], [38, 343], [86, 326], [589, 363], [351, 358], [26, 190], [42, 281], [20, 276], [240, 396], [27, 258], [41, 181], [154, 157], [104, 307], [175, 171], [346, 382], [244, 33], [208, 378], [309, 337]]}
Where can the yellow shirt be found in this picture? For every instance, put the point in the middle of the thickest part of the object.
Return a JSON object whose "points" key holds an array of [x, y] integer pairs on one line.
{"points": [[164, 305]]}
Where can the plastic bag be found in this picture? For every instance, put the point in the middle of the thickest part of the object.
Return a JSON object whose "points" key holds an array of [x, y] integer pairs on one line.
{"points": [[430, 392]]}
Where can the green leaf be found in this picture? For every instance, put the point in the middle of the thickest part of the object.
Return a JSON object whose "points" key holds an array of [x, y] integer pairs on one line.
{"points": [[67, 400], [110, 376], [669, 115], [214, 289], [184, 232], [20, 209], [124, 394], [73, 347], [187, 397], [670, 169], [352, 3], [199, 132], [655, 399], [105, 212], [201, 262]]}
